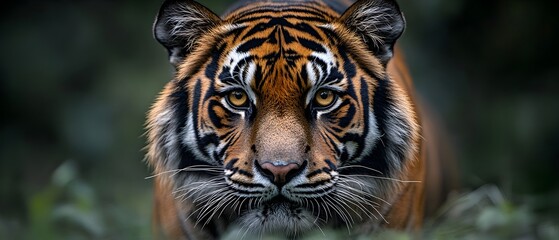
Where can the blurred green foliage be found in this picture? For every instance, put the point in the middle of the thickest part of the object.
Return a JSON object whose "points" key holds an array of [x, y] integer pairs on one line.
{"points": [[77, 78], [66, 201]]}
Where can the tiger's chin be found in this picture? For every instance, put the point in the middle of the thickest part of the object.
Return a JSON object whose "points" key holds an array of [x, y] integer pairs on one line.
{"points": [[278, 217]]}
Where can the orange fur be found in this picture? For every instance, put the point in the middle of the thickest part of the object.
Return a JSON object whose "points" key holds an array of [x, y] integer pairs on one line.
{"points": [[281, 127]]}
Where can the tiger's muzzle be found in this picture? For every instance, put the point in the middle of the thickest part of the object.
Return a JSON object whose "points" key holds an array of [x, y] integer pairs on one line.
{"points": [[280, 172]]}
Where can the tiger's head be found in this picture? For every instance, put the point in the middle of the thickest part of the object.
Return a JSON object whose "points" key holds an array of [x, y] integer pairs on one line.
{"points": [[281, 116]]}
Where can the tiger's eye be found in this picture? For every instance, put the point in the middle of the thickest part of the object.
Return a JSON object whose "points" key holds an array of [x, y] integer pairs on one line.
{"points": [[324, 98], [238, 98]]}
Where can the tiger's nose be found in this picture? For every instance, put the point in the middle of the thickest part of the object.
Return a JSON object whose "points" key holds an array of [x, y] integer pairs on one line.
{"points": [[280, 172]]}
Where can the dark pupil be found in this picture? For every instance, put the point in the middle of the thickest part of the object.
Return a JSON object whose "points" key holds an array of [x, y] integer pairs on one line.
{"points": [[238, 95], [324, 95]]}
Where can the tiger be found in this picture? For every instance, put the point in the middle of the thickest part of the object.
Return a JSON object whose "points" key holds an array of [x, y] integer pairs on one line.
{"points": [[287, 116]]}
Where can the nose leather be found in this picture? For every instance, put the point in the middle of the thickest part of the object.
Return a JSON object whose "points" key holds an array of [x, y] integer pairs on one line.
{"points": [[279, 171]]}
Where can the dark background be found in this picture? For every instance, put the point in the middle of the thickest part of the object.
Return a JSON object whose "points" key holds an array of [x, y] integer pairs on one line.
{"points": [[77, 78]]}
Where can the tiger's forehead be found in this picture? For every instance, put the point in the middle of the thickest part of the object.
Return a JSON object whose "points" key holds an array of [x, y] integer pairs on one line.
{"points": [[308, 10], [281, 50]]}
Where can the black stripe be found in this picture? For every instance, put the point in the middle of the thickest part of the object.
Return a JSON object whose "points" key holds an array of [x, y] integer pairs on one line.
{"points": [[312, 185], [312, 45], [256, 29], [195, 103], [287, 38], [314, 173], [214, 118], [259, 77], [250, 44], [179, 103], [179, 100], [332, 166], [332, 37], [226, 77], [188, 159], [202, 141], [282, 9], [377, 158], [349, 67], [235, 32], [364, 93], [301, 18], [247, 185], [231, 163], [245, 173], [213, 66], [304, 27], [350, 114]]}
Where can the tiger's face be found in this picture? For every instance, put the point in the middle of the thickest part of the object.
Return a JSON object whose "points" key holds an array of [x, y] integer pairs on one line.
{"points": [[281, 117]]}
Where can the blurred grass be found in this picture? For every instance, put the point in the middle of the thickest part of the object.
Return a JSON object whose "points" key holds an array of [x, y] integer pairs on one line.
{"points": [[77, 77], [70, 208]]}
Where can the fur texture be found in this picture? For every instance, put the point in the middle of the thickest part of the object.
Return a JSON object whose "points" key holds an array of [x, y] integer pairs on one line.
{"points": [[280, 162]]}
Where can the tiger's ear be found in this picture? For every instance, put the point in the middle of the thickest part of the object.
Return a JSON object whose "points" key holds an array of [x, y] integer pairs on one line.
{"points": [[180, 24], [378, 22]]}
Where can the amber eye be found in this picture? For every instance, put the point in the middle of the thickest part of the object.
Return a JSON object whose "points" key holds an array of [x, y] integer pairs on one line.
{"points": [[237, 98], [324, 98]]}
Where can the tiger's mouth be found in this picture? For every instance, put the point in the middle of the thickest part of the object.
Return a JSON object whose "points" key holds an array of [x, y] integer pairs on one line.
{"points": [[279, 215], [280, 210], [280, 202], [279, 207]]}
